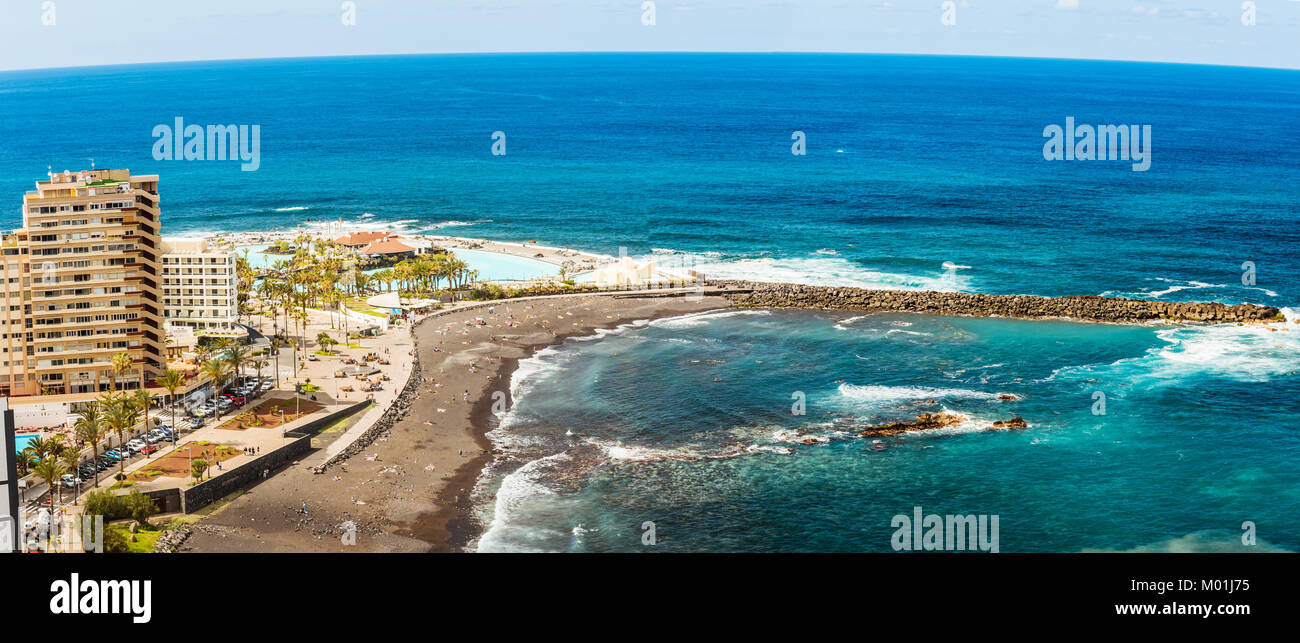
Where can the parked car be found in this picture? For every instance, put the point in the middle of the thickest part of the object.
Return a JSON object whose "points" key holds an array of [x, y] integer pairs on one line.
{"points": [[113, 454], [69, 481], [149, 448]]}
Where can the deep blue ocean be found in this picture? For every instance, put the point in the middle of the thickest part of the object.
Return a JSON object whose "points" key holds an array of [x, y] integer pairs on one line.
{"points": [[920, 172]]}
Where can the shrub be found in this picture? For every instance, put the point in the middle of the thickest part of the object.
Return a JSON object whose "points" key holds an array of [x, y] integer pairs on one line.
{"points": [[134, 505], [139, 506], [115, 542]]}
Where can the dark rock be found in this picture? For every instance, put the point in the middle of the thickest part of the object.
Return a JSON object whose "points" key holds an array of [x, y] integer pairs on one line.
{"points": [[1014, 423], [923, 422]]}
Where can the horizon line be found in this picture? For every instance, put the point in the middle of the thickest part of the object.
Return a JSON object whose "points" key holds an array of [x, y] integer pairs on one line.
{"points": [[615, 51]]}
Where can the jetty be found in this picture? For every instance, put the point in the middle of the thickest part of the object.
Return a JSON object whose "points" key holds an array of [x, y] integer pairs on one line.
{"points": [[1079, 307]]}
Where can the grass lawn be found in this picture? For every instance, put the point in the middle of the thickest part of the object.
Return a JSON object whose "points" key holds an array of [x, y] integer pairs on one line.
{"points": [[359, 304], [145, 539]]}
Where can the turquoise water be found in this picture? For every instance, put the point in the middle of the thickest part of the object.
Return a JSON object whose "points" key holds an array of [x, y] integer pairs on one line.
{"points": [[1185, 451], [20, 442], [494, 266], [921, 172]]}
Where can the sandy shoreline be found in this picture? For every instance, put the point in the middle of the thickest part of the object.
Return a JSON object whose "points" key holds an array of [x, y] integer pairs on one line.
{"points": [[410, 489]]}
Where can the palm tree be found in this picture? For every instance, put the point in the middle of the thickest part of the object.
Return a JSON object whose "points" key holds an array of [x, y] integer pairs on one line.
{"points": [[90, 428], [275, 350], [216, 370], [120, 416], [39, 448], [70, 458], [141, 401], [237, 356], [50, 470], [172, 380], [121, 362]]}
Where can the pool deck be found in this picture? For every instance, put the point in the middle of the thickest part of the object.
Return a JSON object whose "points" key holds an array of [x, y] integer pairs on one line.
{"points": [[579, 262]]}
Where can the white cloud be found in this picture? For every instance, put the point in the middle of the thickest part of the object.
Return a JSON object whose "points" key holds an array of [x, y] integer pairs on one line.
{"points": [[1067, 5]]}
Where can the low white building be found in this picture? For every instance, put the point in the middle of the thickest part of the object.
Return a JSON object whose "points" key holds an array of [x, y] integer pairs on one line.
{"points": [[200, 287]]}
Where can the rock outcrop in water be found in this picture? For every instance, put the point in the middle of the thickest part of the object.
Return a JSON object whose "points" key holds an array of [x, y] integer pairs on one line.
{"points": [[1086, 307], [1014, 423], [923, 422]]}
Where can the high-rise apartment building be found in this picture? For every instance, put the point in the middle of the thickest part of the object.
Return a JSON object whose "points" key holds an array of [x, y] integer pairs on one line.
{"points": [[81, 284], [200, 287]]}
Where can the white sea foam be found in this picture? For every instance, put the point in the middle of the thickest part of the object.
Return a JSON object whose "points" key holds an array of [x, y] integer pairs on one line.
{"points": [[844, 324], [700, 319], [1210, 541], [1250, 353], [830, 271], [885, 394], [295, 208], [905, 332], [1178, 285], [516, 488]]}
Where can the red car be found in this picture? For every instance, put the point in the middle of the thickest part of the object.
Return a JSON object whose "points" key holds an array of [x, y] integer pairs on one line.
{"points": [[237, 400], [149, 448]]}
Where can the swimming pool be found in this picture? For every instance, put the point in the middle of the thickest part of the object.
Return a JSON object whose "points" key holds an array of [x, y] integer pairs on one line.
{"points": [[257, 257], [20, 442], [494, 266]]}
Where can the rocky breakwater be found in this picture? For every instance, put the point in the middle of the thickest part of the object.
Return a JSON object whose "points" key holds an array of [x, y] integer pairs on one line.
{"points": [[1084, 307]]}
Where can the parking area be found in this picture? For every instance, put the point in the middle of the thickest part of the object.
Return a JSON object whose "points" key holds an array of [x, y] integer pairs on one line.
{"points": [[146, 444]]}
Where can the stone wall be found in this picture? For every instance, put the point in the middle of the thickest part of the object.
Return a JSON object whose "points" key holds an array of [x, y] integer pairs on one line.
{"points": [[249, 473], [1088, 308], [167, 500]]}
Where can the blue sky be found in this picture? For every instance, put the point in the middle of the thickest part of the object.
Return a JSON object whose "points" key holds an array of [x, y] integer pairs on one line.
{"points": [[93, 32]]}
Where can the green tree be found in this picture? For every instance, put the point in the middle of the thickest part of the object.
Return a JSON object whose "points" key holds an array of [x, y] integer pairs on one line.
{"points": [[121, 363], [172, 380], [198, 468], [70, 459], [216, 370], [90, 429], [51, 470]]}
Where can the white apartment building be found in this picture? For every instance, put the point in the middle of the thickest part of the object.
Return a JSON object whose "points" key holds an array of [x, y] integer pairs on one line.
{"points": [[200, 287]]}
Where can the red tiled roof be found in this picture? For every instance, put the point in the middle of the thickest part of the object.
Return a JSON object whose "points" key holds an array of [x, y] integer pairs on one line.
{"points": [[386, 246], [360, 238]]}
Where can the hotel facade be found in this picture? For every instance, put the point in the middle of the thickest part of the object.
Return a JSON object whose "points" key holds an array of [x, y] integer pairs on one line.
{"points": [[200, 288], [82, 284]]}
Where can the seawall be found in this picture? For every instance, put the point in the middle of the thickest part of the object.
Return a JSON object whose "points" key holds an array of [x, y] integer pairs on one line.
{"points": [[1087, 308]]}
